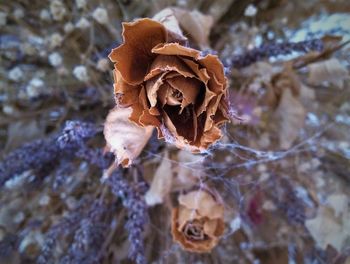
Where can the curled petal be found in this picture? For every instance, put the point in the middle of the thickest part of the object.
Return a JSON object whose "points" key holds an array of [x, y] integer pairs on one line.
{"points": [[134, 57], [129, 92], [152, 87], [214, 66], [203, 202], [165, 63], [189, 88], [124, 138], [175, 49], [201, 73]]}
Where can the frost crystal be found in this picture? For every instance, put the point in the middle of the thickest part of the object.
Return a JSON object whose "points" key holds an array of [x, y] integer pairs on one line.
{"points": [[103, 65], [80, 3], [250, 11], [34, 87], [55, 59], [80, 72], [100, 15], [15, 74], [55, 40], [83, 23], [45, 15], [58, 10], [8, 109], [68, 27]]}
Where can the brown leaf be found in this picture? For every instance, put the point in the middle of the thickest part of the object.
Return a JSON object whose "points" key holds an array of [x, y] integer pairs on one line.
{"points": [[330, 70], [169, 20], [331, 225], [196, 25], [291, 115], [330, 43], [161, 183], [193, 22], [125, 139], [188, 170]]}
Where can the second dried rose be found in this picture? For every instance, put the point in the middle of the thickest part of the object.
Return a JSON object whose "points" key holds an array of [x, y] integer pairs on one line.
{"points": [[197, 223]]}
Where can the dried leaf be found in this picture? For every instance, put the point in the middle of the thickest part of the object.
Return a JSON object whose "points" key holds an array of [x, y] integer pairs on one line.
{"points": [[168, 18], [170, 176], [291, 115], [125, 139], [330, 43], [307, 94], [218, 8], [188, 170], [331, 225], [193, 22], [197, 25], [330, 70], [161, 183], [287, 79]]}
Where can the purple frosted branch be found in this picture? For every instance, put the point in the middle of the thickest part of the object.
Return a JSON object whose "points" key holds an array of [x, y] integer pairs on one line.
{"points": [[75, 133], [90, 236], [271, 50], [95, 156], [69, 143], [64, 227], [32, 155]]}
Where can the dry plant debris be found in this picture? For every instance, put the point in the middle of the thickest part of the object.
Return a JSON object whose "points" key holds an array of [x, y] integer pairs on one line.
{"points": [[223, 140]]}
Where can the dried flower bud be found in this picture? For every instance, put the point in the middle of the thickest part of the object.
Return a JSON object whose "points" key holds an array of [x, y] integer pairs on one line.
{"points": [[169, 86], [197, 223]]}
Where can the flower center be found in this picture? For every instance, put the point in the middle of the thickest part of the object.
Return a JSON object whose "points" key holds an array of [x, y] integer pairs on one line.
{"points": [[194, 230], [175, 97], [177, 94]]}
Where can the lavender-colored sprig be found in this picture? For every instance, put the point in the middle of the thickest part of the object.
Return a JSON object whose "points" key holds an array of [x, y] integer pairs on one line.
{"points": [[75, 133], [137, 214], [32, 155], [64, 227], [69, 143], [94, 156], [89, 237], [271, 50]]}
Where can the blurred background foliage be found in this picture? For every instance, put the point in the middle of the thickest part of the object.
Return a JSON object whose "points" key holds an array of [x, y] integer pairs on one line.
{"points": [[283, 206]]}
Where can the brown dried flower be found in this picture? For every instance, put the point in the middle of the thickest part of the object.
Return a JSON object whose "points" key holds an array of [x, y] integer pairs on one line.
{"points": [[197, 223], [170, 86]]}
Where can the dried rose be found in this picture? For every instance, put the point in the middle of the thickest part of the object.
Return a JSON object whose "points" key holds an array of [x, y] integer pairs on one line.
{"points": [[169, 86], [197, 223]]}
